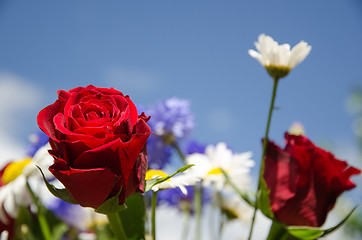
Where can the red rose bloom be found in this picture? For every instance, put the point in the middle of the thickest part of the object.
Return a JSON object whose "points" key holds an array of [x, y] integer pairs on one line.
{"points": [[304, 181], [98, 144]]}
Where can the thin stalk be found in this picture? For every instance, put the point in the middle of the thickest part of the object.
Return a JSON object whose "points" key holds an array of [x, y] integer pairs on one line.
{"points": [[186, 224], [198, 207], [177, 148], [44, 227], [116, 226], [265, 145], [153, 215], [222, 223]]}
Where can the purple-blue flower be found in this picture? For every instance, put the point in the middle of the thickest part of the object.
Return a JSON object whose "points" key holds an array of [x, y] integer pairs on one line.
{"points": [[37, 140], [171, 120], [172, 116], [175, 198], [194, 147], [159, 153]]}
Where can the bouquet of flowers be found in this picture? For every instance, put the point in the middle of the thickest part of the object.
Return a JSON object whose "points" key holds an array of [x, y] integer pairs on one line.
{"points": [[101, 168]]}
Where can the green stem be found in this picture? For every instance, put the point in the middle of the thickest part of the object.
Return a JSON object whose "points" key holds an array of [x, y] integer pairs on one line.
{"points": [[221, 228], [116, 226], [177, 148], [198, 206], [153, 215], [44, 227], [186, 224], [265, 145]]}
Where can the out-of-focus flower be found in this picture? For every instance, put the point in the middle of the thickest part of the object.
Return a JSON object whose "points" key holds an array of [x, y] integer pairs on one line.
{"points": [[179, 181], [194, 147], [37, 140], [209, 166], [172, 121], [296, 129], [97, 139], [234, 207], [75, 215], [279, 59], [13, 184], [159, 153], [174, 197], [304, 181], [172, 117]]}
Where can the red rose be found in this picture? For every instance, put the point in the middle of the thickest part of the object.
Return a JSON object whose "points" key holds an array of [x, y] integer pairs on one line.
{"points": [[98, 144], [304, 181]]}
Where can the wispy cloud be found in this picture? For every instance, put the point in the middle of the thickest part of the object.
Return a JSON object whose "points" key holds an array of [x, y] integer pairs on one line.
{"points": [[19, 100], [131, 80]]}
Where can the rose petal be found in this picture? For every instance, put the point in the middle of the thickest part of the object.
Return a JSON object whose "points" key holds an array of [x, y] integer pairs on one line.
{"points": [[90, 187]]}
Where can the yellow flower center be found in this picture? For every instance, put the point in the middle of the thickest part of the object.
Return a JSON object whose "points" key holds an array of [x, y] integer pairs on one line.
{"points": [[13, 170], [215, 171], [153, 173], [277, 71]]}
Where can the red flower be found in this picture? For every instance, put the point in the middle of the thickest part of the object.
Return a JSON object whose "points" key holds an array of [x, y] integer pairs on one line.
{"points": [[304, 181], [98, 144]]}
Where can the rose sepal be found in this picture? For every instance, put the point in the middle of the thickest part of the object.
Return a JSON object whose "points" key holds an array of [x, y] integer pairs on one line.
{"points": [[60, 193], [111, 205], [281, 231], [263, 200], [313, 233], [152, 182]]}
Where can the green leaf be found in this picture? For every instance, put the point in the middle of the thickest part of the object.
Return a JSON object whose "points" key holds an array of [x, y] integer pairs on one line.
{"points": [[152, 182], [61, 193], [111, 205], [306, 233], [277, 231], [133, 218], [329, 230], [313, 233], [59, 231], [263, 200]]}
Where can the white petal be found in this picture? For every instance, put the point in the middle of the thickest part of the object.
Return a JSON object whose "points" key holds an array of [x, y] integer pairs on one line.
{"points": [[183, 190], [299, 53], [256, 55]]}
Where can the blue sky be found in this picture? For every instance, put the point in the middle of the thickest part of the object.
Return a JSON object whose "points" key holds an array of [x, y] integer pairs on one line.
{"points": [[197, 50]]}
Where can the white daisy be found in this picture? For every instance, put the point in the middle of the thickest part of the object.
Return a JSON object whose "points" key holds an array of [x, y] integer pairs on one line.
{"points": [[236, 208], [209, 166], [14, 192], [181, 180], [279, 59]]}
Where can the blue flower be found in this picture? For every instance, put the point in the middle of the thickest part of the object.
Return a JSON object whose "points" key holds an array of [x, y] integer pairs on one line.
{"points": [[159, 153], [37, 140], [175, 198], [172, 117], [194, 147], [171, 120]]}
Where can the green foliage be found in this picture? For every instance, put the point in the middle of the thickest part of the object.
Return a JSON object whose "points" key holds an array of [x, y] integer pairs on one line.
{"points": [[308, 233], [58, 192], [152, 182], [263, 200], [27, 226], [133, 218]]}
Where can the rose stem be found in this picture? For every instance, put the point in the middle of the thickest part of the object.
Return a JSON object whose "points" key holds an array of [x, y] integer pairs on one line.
{"points": [[116, 226], [265, 145], [44, 227], [153, 215]]}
